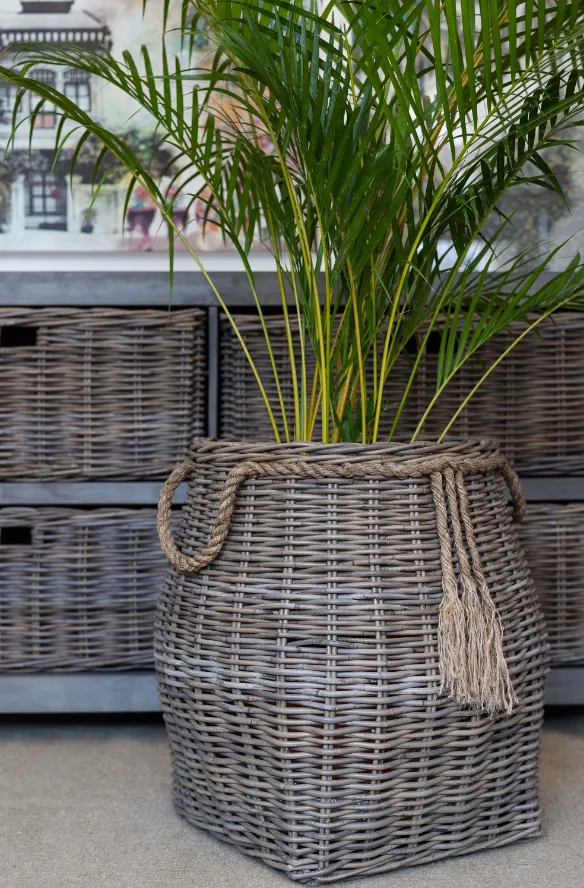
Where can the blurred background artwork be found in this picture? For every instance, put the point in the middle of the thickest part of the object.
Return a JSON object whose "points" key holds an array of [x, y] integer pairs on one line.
{"points": [[42, 208], [45, 210]]}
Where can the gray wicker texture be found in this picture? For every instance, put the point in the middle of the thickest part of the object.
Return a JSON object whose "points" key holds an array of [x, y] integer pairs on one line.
{"points": [[242, 411], [99, 393], [77, 589], [553, 538], [533, 403], [298, 672]]}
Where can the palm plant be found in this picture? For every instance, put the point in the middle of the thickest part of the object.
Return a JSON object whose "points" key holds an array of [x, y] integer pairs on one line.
{"points": [[365, 144]]}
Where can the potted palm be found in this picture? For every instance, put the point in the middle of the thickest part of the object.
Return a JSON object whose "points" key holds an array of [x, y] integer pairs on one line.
{"points": [[349, 653]]}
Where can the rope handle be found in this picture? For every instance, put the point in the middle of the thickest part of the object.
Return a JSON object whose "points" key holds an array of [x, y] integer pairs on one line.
{"points": [[416, 468]]}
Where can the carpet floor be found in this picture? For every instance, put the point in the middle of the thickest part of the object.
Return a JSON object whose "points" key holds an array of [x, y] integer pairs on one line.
{"points": [[86, 806]]}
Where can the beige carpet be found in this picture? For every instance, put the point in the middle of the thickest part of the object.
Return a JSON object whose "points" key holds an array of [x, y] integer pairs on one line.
{"points": [[89, 807]]}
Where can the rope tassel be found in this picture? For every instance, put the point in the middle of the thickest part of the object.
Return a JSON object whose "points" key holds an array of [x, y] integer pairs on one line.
{"points": [[451, 622], [473, 669], [496, 688]]}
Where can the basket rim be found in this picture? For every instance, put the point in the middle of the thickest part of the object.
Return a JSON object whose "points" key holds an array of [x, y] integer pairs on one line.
{"points": [[229, 451]]}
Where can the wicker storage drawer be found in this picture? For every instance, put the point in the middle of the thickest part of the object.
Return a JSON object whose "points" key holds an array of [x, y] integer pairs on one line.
{"points": [[242, 413], [99, 393], [78, 589], [533, 402], [553, 538]]}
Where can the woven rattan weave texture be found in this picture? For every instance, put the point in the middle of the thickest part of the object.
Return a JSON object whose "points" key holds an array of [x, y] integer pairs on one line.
{"points": [[553, 538], [299, 671], [77, 589], [99, 393], [533, 403]]}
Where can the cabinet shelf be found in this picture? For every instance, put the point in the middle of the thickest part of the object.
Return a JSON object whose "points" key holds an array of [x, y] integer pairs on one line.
{"points": [[133, 692], [145, 493]]}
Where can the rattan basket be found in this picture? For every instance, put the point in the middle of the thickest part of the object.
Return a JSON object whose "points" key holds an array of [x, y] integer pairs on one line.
{"points": [[77, 589], [99, 393], [533, 403], [553, 538], [303, 665]]}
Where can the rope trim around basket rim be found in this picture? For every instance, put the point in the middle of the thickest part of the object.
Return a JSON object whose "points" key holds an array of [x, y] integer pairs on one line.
{"points": [[298, 468]]}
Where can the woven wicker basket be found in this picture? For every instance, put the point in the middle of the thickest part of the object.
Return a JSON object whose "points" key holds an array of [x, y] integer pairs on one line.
{"points": [[300, 670], [98, 393], [77, 589], [533, 403], [553, 538]]}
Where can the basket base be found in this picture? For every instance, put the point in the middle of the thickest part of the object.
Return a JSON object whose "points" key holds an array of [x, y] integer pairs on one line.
{"points": [[527, 828]]}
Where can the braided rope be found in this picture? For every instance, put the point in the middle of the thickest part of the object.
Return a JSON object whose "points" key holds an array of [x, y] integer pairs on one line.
{"points": [[492, 686], [383, 468]]}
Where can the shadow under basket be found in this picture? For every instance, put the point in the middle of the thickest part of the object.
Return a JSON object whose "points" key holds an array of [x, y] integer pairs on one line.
{"points": [[350, 654]]}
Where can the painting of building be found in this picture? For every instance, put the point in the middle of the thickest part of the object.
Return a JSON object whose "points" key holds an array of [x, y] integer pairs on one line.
{"points": [[33, 197], [44, 208]]}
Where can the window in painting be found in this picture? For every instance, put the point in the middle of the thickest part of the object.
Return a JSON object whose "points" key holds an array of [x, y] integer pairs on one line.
{"points": [[47, 116], [77, 87], [7, 99], [46, 204]]}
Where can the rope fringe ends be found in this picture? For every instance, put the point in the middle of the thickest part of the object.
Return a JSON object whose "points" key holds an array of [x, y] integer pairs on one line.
{"points": [[473, 668]]}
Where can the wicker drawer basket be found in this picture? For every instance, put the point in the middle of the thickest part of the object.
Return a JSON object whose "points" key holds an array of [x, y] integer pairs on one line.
{"points": [[77, 589], [553, 539], [533, 403], [99, 393]]}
